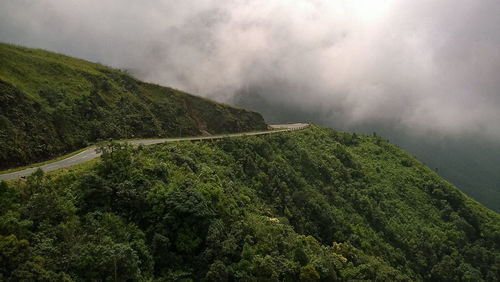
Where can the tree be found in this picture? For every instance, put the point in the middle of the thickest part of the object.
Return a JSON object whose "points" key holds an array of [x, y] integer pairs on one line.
{"points": [[17, 262], [308, 273]]}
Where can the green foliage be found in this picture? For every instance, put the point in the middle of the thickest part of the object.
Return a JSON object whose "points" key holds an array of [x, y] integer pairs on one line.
{"points": [[311, 205], [18, 263], [308, 274], [51, 104]]}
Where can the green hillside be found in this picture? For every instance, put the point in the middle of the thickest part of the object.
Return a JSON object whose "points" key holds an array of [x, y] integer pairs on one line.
{"points": [[51, 104], [312, 205], [472, 163]]}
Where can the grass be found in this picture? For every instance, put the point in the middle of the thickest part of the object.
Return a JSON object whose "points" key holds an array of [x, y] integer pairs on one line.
{"points": [[45, 162], [124, 140], [74, 168], [87, 101]]}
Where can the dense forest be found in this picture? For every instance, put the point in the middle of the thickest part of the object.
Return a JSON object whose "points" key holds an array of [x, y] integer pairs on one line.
{"points": [[310, 205], [51, 104], [470, 162]]}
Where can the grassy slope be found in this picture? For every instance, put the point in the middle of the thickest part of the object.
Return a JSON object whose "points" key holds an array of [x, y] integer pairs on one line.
{"points": [[52, 104], [312, 204]]}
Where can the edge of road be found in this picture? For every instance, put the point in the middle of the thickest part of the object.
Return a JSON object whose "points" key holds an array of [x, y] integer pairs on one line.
{"points": [[89, 153]]}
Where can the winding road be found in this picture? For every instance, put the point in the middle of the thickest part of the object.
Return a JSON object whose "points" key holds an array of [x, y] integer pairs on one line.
{"points": [[91, 152]]}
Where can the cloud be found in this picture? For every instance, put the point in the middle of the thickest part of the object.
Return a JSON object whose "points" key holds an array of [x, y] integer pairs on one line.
{"points": [[423, 66]]}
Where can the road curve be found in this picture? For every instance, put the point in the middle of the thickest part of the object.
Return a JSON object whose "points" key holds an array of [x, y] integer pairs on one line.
{"points": [[91, 152]]}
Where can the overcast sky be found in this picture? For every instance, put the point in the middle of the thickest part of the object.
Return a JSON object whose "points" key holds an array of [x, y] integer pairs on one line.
{"points": [[428, 66]]}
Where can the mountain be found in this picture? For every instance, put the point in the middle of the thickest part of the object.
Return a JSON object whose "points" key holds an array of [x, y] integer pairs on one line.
{"points": [[470, 162], [309, 205], [51, 104]]}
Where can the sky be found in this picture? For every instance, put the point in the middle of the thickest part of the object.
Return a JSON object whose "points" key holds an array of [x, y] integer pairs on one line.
{"points": [[427, 67]]}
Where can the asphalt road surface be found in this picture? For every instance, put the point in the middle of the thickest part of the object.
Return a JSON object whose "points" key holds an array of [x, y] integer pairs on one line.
{"points": [[91, 152]]}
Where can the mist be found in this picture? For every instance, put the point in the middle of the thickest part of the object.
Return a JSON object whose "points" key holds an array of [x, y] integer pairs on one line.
{"points": [[425, 66]]}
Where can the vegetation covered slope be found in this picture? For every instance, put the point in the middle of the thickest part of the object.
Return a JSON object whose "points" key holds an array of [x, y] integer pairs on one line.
{"points": [[312, 205], [470, 162], [51, 104]]}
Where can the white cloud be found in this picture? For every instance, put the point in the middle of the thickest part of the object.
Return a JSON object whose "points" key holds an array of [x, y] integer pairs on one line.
{"points": [[424, 65]]}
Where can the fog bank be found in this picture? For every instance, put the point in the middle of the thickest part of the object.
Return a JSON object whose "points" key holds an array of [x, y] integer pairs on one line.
{"points": [[421, 66]]}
